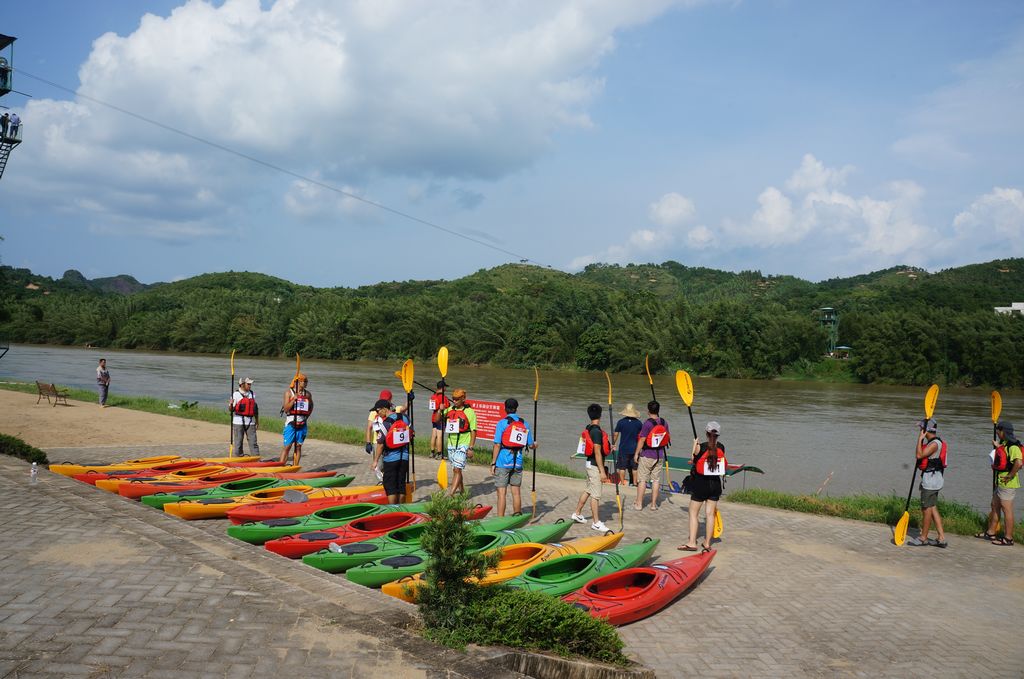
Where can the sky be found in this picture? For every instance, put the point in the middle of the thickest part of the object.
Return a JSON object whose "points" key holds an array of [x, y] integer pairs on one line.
{"points": [[347, 143]]}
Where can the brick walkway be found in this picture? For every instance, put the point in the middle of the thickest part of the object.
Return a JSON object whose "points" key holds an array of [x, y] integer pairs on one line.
{"points": [[91, 585]]}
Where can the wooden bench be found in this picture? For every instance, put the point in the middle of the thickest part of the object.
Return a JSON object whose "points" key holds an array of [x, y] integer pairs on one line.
{"points": [[51, 391]]}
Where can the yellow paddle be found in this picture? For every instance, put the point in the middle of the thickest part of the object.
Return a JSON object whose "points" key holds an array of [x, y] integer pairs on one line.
{"points": [[533, 487], [684, 385], [231, 416], [611, 429], [900, 534], [997, 407], [650, 380], [442, 365], [407, 380]]}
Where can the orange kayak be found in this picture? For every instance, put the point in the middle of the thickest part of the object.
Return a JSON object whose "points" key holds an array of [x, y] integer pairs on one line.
{"points": [[135, 489], [112, 484], [513, 562], [140, 463], [219, 507]]}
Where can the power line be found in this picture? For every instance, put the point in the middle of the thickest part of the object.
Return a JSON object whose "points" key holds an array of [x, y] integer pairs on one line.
{"points": [[283, 170]]}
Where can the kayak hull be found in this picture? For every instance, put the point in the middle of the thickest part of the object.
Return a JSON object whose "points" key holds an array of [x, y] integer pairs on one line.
{"points": [[297, 546], [140, 463], [322, 520], [217, 508], [112, 484], [136, 489], [635, 593], [244, 487], [566, 574], [287, 510]]}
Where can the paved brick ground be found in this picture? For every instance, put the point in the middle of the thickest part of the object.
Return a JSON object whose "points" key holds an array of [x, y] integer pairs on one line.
{"points": [[95, 586]]}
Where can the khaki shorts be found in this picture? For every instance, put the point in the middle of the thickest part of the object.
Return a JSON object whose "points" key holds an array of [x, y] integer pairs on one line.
{"points": [[594, 482], [649, 469], [1005, 494]]}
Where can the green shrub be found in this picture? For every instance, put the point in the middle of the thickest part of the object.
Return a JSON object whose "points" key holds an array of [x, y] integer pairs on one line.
{"points": [[9, 445]]}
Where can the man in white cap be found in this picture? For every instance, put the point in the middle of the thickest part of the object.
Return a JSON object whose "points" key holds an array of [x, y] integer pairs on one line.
{"points": [[931, 460], [245, 418]]}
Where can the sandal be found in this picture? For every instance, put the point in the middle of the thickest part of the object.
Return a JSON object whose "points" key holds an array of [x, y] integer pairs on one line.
{"points": [[1003, 542], [686, 548], [985, 536], [705, 549]]}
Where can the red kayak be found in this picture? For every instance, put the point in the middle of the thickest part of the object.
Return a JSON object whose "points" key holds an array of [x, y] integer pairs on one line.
{"points": [[297, 546], [92, 477], [634, 593], [135, 489]]}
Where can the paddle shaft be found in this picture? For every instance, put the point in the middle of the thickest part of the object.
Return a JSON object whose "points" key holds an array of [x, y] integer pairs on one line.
{"points": [[231, 414], [533, 482]]}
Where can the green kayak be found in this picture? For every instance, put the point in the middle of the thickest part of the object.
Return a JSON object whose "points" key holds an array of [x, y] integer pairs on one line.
{"points": [[258, 532], [243, 487], [568, 573], [398, 541], [377, 573]]}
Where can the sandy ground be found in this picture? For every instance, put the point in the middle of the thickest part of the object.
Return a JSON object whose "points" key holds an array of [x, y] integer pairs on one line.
{"points": [[81, 424]]}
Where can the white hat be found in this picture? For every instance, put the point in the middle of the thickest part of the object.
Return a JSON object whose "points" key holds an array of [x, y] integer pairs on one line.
{"points": [[713, 427], [245, 380]]}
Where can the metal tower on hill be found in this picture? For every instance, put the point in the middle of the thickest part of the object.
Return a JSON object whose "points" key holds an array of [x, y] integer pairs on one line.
{"points": [[11, 136]]}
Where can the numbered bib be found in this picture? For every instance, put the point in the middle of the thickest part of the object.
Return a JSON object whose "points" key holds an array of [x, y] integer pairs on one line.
{"points": [[581, 449], [301, 406], [657, 440], [400, 438], [719, 470], [432, 404], [451, 427], [517, 437]]}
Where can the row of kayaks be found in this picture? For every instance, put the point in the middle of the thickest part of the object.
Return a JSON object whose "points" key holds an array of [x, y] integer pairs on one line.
{"points": [[318, 518]]}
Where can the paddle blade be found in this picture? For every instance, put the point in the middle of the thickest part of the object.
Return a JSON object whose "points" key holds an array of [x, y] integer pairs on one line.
{"points": [[298, 364], [533, 501], [900, 534], [442, 361], [442, 475], [618, 501], [685, 386], [997, 406], [407, 375], [718, 528], [233, 364], [929, 401], [609, 378], [536, 385], [647, 368]]}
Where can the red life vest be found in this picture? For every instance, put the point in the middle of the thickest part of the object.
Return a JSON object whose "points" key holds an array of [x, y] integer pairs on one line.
{"points": [[439, 402], [515, 435], [300, 409], [705, 455], [587, 443], [246, 406], [934, 463], [459, 419], [1002, 462], [658, 436], [396, 433]]}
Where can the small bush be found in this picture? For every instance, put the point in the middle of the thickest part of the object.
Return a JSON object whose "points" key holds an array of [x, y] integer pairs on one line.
{"points": [[532, 621], [9, 445]]}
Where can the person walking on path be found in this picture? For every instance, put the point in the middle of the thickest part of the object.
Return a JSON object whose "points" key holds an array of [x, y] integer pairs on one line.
{"points": [[103, 381], [931, 460], [392, 450], [512, 436], [438, 403], [245, 418], [624, 439], [297, 407], [706, 473], [594, 445], [1006, 486], [652, 445], [460, 435]]}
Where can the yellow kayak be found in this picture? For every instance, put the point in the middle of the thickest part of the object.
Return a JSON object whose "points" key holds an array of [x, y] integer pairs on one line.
{"points": [[139, 463], [186, 475], [513, 562], [198, 509]]}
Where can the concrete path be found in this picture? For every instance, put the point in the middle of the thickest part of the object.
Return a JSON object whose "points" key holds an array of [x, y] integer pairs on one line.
{"points": [[91, 585]]}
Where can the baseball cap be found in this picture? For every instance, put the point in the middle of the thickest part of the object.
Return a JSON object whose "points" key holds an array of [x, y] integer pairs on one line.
{"points": [[245, 380], [713, 427], [931, 426], [1007, 427], [385, 394]]}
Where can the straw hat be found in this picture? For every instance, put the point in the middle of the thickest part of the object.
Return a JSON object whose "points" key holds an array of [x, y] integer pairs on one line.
{"points": [[629, 411]]}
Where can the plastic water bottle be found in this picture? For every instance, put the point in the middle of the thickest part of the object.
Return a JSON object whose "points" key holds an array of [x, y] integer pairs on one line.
{"points": [[34, 474]]}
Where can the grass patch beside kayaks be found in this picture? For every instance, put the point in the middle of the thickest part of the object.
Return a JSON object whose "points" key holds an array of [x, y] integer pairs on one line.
{"points": [[957, 518], [325, 431]]}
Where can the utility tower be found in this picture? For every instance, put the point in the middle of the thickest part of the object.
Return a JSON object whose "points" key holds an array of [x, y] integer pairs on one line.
{"points": [[829, 319], [11, 136]]}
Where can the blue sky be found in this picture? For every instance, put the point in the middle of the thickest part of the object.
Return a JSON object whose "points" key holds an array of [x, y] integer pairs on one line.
{"points": [[817, 139]]}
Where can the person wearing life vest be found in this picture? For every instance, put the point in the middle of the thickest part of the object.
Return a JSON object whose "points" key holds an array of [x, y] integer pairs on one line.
{"points": [[373, 421], [512, 438], [707, 469], [595, 447], [931, 460], [460, 435], [245, 418], [297, 406], [392, 451], [437, 404], [651, 450], [1006, 464]]}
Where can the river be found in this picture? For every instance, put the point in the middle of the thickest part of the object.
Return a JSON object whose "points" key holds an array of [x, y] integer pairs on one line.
{"points": [[798, 432]]}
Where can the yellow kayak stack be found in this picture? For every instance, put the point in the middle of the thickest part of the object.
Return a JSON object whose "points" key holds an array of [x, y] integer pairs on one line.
{"points": [[140, 463], [185, 475]]}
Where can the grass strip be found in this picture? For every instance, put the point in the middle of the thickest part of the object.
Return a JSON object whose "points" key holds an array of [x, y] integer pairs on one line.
{"points": [[318, 429], [957, 518]]}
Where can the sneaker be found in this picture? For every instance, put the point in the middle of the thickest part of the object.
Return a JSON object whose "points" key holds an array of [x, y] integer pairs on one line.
{"points": [[578, 518], [599, 526]]}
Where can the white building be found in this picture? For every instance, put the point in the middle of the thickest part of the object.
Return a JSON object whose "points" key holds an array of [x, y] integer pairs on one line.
{"points": [[1014, 308]]}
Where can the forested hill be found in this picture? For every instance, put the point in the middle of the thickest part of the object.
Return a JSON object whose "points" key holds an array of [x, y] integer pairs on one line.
{"points": [[905, 325]]}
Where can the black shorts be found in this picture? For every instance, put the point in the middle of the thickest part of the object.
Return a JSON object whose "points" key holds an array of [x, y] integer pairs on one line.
{"points": [[704, 488], [395, 474]]}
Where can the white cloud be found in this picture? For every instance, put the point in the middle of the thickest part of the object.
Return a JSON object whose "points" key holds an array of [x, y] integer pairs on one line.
{"points": [[994, 217], [812, 175], [671, 209]]}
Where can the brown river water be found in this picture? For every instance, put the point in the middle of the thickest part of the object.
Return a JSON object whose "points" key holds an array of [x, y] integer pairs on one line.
{"points": [[798, 432]]}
